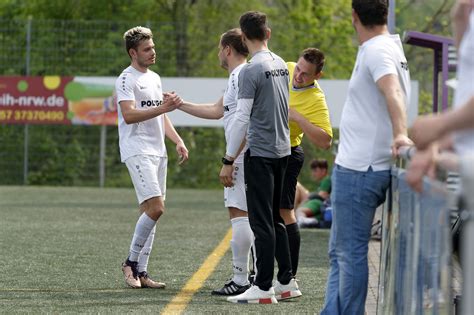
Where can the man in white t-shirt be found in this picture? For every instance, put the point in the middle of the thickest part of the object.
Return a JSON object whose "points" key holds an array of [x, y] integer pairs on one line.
{"points": [[143, 125], [373, 126], [232, 56], [452, 129]]}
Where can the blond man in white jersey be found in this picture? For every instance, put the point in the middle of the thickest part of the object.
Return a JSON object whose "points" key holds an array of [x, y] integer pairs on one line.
{"points": [[232, 56], [143, 125]]}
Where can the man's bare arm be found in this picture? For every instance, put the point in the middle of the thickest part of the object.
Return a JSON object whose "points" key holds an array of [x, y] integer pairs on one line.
{"points": [[133, 115], [207, 111], [392, 91], [460, 19]]}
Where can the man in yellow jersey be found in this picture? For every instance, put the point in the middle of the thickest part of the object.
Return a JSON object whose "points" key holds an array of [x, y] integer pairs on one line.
{"points": [[308, 115]]}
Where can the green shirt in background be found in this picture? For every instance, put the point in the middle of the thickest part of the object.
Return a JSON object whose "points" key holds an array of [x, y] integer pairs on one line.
{"points": [[325, 185]]}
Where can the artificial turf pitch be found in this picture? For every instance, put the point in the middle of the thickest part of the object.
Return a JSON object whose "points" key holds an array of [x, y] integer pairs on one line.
{"points": [[61, 250]]}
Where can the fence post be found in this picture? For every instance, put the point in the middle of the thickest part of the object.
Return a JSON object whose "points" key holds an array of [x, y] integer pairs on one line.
{"points": [[103, 138], [391, 16], [26, 128], [467, 174]]}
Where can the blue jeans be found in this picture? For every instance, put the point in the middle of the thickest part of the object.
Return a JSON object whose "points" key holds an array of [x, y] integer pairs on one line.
{"points": [[355, 196]]}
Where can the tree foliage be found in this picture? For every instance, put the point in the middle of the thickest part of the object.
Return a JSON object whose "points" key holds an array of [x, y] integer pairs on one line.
{"points": [[427, 17]]}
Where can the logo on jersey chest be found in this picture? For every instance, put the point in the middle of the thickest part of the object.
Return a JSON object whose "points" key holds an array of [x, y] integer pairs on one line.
{"points": [[150, 103], [277, 73], [226, 108]]}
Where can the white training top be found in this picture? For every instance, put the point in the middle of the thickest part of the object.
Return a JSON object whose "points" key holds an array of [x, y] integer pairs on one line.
{"points": [[230, 105], [464, 140], [366, 128], [146, 137]]}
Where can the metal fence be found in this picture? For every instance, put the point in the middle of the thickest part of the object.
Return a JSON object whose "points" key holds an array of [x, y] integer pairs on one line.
{"points": [[416, 252], [83, 155], [467, 171], [72, 155], [70, 47], [416, 255]]}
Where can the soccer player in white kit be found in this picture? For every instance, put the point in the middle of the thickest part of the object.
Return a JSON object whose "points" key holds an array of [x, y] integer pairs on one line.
{"points": [[143, 125], [232, 56]]}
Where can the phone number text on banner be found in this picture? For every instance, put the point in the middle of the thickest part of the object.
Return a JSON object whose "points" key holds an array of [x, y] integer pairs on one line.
{"points": [[57, 100]]}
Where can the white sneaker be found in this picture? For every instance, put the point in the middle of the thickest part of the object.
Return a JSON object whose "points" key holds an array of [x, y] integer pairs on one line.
{"points": [[287, 291], [254, 296]]}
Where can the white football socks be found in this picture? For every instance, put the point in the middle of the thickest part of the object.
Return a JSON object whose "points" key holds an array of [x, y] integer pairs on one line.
{"points": [[242, 238], [145, 253], [142, 230]]}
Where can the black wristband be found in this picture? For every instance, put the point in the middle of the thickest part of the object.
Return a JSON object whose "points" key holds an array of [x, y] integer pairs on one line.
{"points": [[226, 161]]}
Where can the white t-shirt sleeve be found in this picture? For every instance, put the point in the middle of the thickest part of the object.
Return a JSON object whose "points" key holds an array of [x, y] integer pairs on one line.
{"points": [[239, 126], [381, 62], [124, 87]]}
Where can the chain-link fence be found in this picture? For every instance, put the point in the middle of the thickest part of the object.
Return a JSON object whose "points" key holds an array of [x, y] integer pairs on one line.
{"points": [[73, 155], [76, 48]]}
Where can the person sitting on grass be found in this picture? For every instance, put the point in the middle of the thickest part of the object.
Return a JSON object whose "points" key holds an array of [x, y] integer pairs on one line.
{"points": [[309, 213]]}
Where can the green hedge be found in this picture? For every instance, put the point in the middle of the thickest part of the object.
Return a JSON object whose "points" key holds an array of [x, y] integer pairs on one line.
{"points": [[69, 155]]}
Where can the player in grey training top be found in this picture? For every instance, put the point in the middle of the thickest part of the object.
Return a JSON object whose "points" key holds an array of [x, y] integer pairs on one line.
{"points": [[262, 109], [265, 80]]}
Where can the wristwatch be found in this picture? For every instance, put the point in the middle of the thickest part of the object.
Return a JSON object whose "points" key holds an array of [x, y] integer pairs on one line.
{"points": [[226, 161]]}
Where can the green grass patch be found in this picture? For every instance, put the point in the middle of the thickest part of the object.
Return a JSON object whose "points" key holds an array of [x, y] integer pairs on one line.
{"points": [[61, 250]]}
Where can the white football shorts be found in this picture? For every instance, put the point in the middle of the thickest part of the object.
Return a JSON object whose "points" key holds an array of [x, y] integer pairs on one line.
{"points": [[148, 173], [235, 196]]}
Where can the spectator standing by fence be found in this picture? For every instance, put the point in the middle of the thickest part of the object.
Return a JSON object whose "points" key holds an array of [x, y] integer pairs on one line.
{"points": [[373, 122]]}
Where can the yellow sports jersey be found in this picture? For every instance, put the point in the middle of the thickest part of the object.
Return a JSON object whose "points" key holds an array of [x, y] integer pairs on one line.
{"points": [[311, 103]]}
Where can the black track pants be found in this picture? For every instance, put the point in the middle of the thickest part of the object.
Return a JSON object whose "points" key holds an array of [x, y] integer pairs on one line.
{"points": [[264, 181]]}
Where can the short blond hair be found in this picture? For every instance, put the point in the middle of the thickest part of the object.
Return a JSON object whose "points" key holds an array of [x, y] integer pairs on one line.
{"points": [[135, 35]]}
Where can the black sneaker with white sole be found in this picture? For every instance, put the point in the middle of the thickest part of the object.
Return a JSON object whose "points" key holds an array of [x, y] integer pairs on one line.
{"points": [[231, 288]]}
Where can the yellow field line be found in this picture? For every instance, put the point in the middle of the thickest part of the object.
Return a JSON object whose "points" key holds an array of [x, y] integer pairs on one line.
{"points": [[179, 303]]}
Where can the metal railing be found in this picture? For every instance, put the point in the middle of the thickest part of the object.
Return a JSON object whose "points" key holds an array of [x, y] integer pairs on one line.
{"points": [[416, 255], [467, 179]]}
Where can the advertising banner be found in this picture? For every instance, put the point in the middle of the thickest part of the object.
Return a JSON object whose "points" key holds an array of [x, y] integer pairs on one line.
{"points": [[56, 100], [90, 100]]}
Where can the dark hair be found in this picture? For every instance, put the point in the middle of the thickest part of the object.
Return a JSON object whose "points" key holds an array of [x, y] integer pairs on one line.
{"points": [[254, 25], [135, 35], [233, 38], [371, 12], [314, 56], [319, 163]]}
